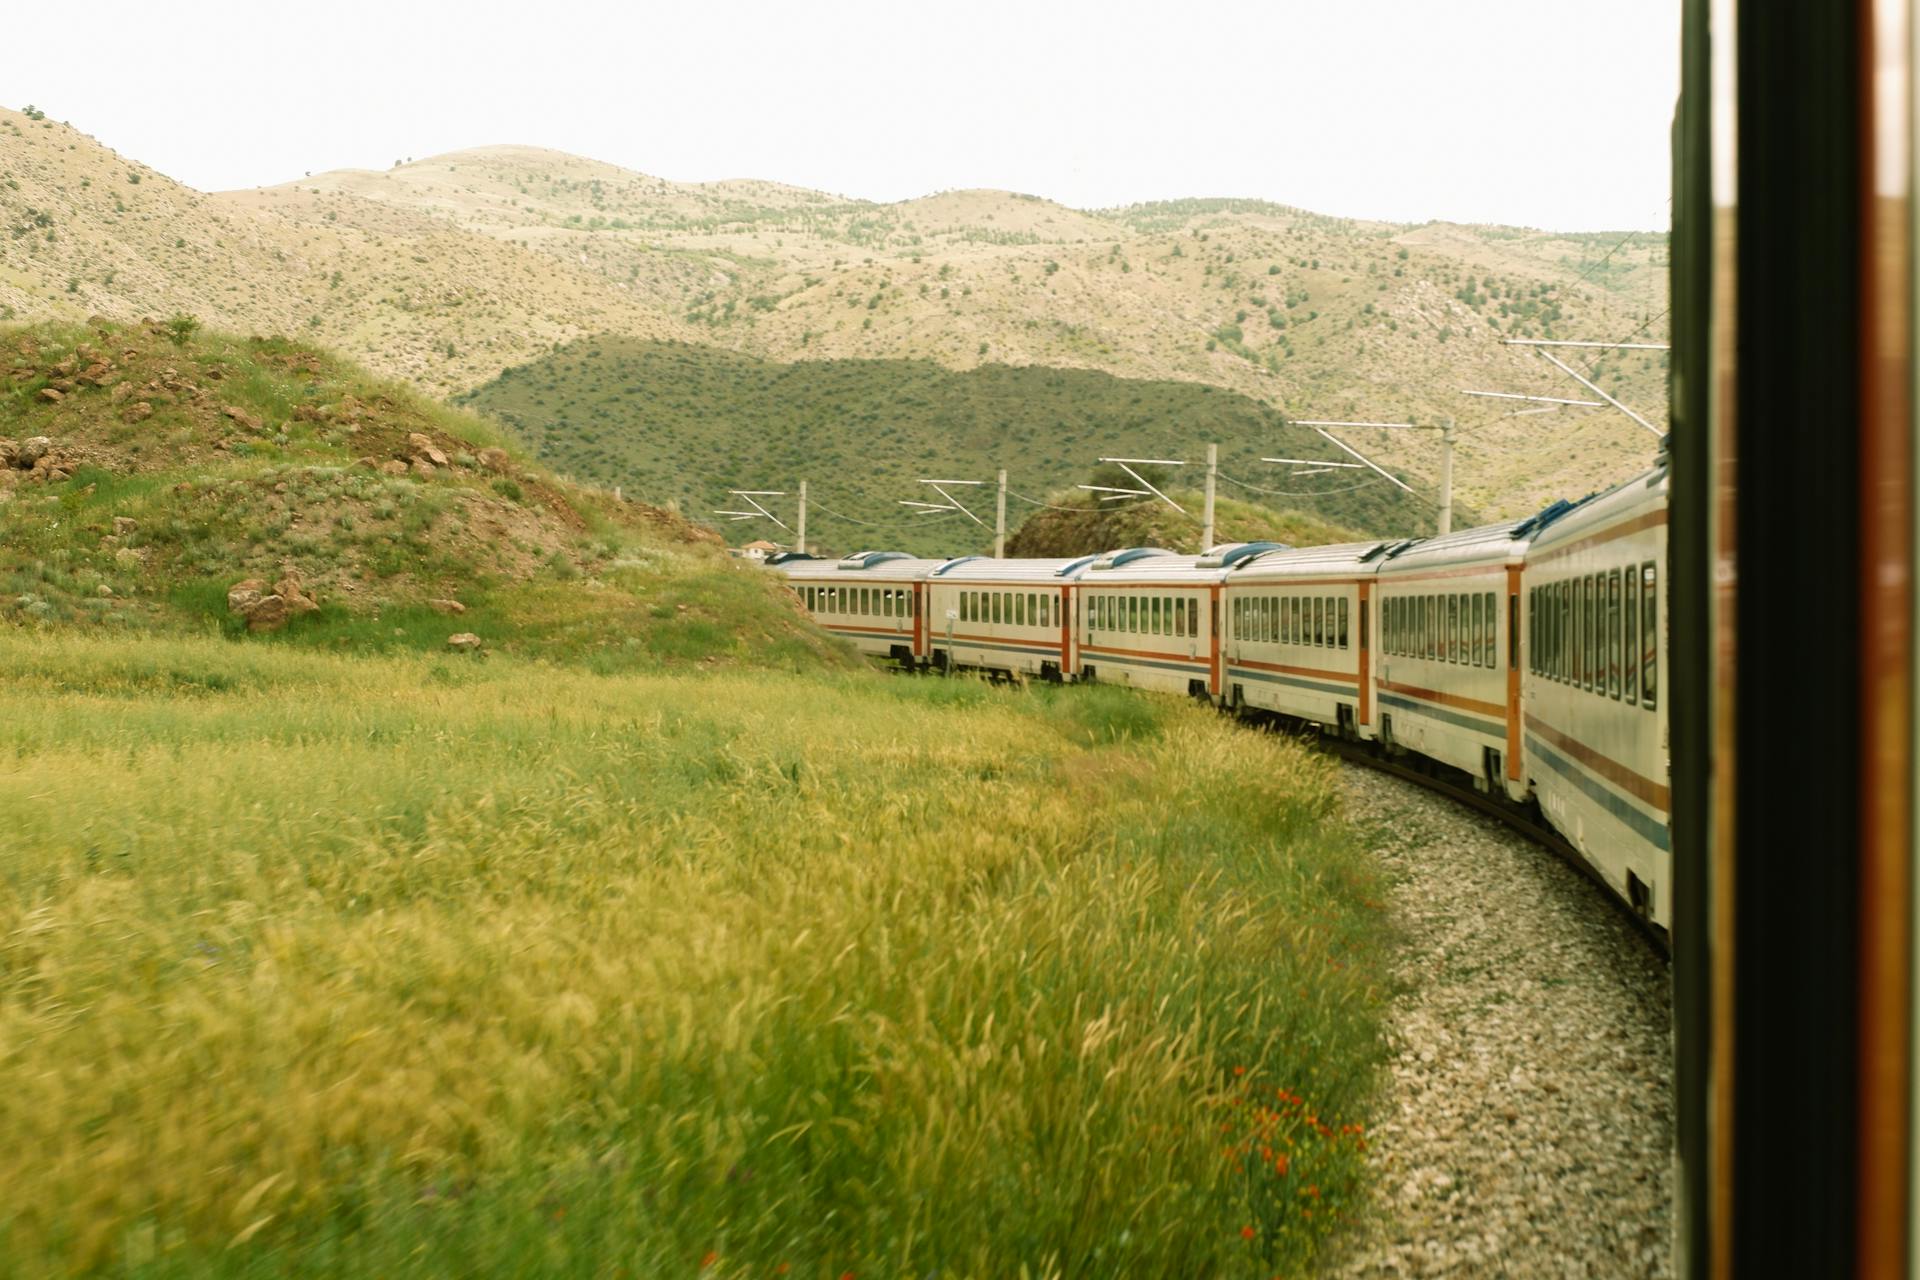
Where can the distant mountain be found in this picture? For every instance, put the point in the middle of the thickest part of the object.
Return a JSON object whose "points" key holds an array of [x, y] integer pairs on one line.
{"points": [[450, 269]]}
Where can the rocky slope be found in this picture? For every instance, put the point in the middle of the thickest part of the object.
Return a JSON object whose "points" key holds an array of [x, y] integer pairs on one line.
{"points": [[447, 270], [152, 476]]}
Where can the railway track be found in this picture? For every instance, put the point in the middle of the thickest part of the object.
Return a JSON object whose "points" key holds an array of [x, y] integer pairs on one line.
{"points": [[1527, 821]]}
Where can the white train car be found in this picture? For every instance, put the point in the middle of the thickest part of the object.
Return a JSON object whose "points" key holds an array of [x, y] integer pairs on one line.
{"points": [[873, 598], [1447, 678], [1011, 617], [1147, 618], [1594, 717], [1299, 634]]}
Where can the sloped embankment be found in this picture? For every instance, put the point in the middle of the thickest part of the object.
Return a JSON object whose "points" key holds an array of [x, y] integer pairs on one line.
{"points": [[150, 468]]}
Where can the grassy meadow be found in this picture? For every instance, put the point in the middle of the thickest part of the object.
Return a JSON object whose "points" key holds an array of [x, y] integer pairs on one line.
{"points": [[414, 965]]}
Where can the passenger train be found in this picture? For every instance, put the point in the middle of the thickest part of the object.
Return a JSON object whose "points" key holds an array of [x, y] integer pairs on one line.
{"points": [[1527, 655]]}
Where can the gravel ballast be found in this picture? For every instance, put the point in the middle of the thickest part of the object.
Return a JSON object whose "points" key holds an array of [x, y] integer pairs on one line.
{"points": [[1526, 1124]]}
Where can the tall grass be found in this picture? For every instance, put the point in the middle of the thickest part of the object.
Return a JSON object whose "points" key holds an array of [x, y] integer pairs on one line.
{"points": [[314, 965]]}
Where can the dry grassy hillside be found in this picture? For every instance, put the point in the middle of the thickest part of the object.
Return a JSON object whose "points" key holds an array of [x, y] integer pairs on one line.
{"points": [[1322, 317], [447, 270], [84, 231]]}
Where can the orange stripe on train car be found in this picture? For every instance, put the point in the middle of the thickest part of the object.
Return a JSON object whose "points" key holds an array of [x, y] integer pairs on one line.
{"points": [[1643, 788]]}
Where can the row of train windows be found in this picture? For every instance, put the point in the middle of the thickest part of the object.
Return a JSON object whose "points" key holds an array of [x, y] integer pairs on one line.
{"points": [[1177, 616], [1008, 608], [876, 602], [1463, 629], [1311, 620], [1599, 632]]}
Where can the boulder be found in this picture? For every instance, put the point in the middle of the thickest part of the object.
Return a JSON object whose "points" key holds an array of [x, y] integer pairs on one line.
{"points": [[51, 394], [452, 608], [244, 418], [269, 613], [495, 460], [464, 642], [393, 467], [291, 590], [123, 526], [31, 451], [422, 449], [138, 411], [242, 596], [423, 468]]}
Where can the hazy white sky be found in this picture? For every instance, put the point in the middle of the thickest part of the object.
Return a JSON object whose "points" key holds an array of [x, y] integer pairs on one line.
{"points": [[1538, 112]]}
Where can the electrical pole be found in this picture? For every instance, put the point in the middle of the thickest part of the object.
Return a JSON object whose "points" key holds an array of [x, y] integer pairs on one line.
{"points": [[1000, 519], [1446, 476], [1206, 523], [800, 533]]}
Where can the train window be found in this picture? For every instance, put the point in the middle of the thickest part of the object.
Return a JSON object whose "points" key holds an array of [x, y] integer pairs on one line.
{"points": [[1478, 609], [1613, 634], [1343, 622], [1046, 611], [1563, 646], [1179, 616], [1649, 632], [1492, 614], [1153, 615], [1238, 615], [996, 606], [1316, 633], [1133, 614], [1630, 630], [1289, 629], [1589, 633], [1193, 618], [1450, 631]]}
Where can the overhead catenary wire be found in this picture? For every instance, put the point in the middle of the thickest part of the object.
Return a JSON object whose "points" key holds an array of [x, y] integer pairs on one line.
{"points": [[1300, 493]]}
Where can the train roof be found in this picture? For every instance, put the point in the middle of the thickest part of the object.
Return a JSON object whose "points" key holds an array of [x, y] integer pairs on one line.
{"points": [[1338, 559], [1488, 544], [1153, 564], [1647, 489], [891, 565], [1034, 570]]}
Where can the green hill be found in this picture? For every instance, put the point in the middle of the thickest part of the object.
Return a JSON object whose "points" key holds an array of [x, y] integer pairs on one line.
{"points": [[1079, 525], [147, 469], [681, 425]]}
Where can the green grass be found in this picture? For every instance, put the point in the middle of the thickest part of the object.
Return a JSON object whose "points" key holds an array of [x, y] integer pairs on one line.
{"points": [[545, 568], [680, 423], [411, 965]]}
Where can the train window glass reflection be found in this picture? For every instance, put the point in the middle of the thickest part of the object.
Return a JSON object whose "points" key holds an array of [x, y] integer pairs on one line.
{"points": [[1649, 632], [1630, 629], [1450, 635], [1590, 631], [1479, 656], [1613, 634], [1343, 622]]}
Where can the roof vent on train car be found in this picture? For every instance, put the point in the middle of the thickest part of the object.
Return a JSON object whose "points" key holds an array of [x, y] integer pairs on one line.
{"points": [[957, 560], [1380, 551], [1072, 567], [1114, 559], [1228, 554], [1546, 516], [787, 557], [868, 559]]}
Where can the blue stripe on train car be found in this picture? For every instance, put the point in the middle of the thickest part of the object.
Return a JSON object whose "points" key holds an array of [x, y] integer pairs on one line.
{"points": [[1318, 686], [1478, 724], [1107, 659], [1650, 829]]}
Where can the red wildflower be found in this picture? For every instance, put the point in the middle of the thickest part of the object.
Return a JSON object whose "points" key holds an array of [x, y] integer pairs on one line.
{"points": [[1246, 1233], [709, 1259]]}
